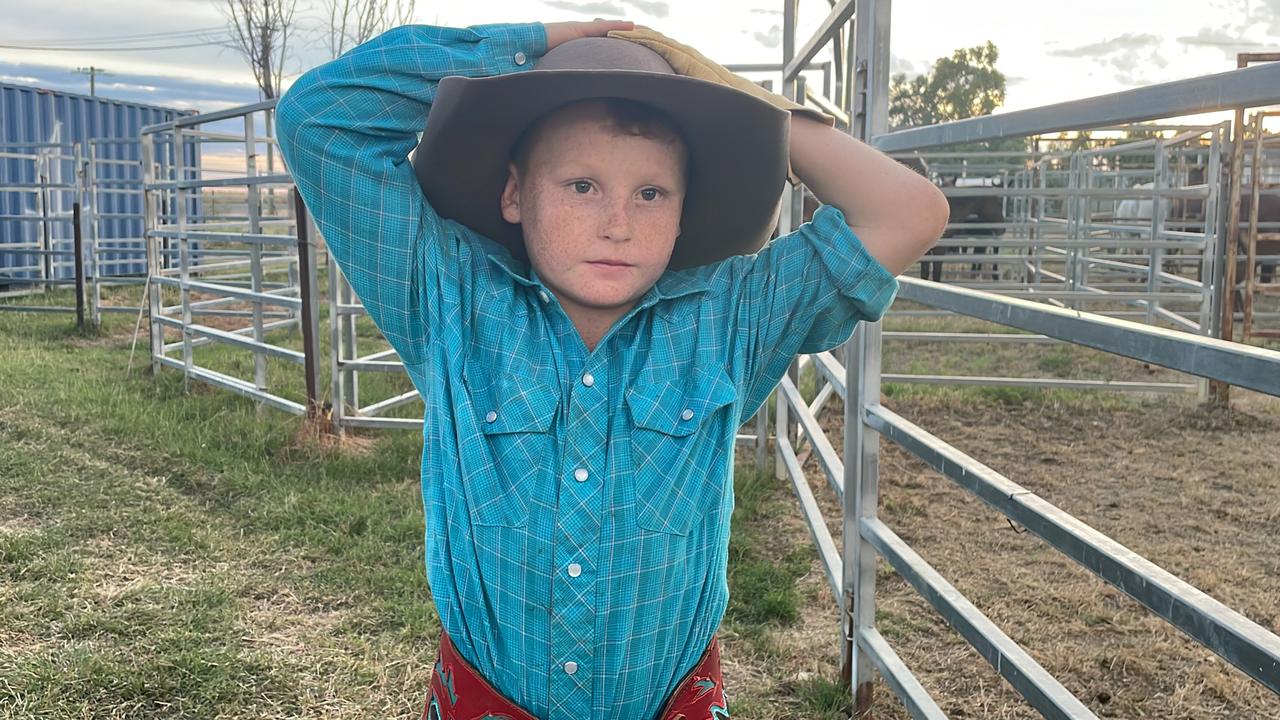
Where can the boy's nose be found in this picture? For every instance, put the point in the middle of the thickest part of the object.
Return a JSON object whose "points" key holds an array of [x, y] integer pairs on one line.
{"points": [[617, 221]]}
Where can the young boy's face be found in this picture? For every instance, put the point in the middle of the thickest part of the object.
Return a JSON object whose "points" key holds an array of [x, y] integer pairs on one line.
{"points": [[600, 210]]}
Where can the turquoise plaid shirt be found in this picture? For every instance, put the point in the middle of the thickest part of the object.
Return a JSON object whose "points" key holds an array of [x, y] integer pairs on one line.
{"points": [[577, 503]]}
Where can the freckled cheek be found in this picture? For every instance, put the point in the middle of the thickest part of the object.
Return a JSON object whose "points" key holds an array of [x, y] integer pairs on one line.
{"points": [[572, 223], [563, 231], [661, 235]]}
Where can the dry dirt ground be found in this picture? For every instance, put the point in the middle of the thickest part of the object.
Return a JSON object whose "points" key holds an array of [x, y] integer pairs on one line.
{"points": [[1196, 491]]}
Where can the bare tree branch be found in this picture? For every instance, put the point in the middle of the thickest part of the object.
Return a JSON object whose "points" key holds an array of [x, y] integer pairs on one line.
{"points": [[260, 30], [352, 22]]}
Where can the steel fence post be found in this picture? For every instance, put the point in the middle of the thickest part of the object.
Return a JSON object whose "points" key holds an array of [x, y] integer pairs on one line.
{"points": [[184, 252], [78, 243], [253, 209], [1251, 239], [150, 221], [336, 379], [862, 378], [46, 239], [309, 318], [1220, 392], [1159, 206]]}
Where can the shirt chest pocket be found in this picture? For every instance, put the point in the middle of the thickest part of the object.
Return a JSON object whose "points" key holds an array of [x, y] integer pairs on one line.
{"points": [[677, 449], [514, 449]]}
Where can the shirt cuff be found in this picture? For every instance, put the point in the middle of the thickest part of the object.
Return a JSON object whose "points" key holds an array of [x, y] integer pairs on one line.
{"points": [[513, 47], [856, 274]]}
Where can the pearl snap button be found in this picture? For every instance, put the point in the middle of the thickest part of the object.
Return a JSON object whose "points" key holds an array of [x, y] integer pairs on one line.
{"points": [[491, 416], [571, 667], [588, 380], [575, 569], [520, 58], [687, 414], [581, 474], [543, 296]]}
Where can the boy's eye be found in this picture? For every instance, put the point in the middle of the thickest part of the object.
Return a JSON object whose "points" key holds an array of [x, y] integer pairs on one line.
{"points": [[650, 194], [582, 187]]}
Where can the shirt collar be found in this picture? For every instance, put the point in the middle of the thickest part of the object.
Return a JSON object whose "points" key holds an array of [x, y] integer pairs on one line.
{"points": [[519, 270]]}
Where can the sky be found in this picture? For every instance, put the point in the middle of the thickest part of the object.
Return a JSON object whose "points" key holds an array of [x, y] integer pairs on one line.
{"points": [[1050, 52]]}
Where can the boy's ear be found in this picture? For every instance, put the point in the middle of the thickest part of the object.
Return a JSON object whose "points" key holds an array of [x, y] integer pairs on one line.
{"points": [[511, 196]]}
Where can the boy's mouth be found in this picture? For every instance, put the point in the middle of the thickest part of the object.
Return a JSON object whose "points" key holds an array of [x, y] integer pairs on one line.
{"points": [[609, 263]]}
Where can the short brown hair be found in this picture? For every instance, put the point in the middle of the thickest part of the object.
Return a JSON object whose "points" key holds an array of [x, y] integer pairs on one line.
{"points": [[626, 117]]}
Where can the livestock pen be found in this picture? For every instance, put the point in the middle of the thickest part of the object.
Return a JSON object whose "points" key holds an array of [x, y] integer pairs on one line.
{"points": [[239, 290], [852, 570]]}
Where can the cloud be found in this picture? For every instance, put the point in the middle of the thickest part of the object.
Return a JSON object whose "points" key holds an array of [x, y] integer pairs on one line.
{"points": [[159, 90], [1127, 41], [771, 39], [595, 9], [1228, 39], [1256, 30], [1268, 11], [1133, 55], [653, 8]]}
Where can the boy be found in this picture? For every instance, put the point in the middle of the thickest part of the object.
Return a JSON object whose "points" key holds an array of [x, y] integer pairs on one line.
{"points": [[581, 405]]}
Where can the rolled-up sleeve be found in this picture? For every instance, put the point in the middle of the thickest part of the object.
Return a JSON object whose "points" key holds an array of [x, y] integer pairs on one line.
{"points": [[803, 293]]}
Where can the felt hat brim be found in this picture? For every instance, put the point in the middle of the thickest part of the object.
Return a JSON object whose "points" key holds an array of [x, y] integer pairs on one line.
{"points": [[737, 146]]}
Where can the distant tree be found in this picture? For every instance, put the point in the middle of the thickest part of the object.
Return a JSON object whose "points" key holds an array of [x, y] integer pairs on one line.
{"points": [[352, 22], [260, 30], [966, 84]]}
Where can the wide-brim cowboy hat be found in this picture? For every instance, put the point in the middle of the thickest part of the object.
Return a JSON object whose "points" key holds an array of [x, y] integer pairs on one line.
{"points": [[737, 144]]}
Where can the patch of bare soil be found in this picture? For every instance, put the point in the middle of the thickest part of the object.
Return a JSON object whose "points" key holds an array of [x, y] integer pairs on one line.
{"points": [[1194, 490]]}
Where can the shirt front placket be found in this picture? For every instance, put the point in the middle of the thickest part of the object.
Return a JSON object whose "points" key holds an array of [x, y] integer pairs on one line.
{"points": [[577, 577]]}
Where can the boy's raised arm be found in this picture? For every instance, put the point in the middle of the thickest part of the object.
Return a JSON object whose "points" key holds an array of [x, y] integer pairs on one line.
{"points": [[896, 213], [346, 128]]}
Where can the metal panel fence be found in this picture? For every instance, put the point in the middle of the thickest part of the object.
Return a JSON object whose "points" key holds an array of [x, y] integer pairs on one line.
{"points": [[253, 277], [61, 149], [39, 188], [854, 375], [1128, 230]]}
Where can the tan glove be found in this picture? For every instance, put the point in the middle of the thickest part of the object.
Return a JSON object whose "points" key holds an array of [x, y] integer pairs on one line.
{"points": [[691, 63]]}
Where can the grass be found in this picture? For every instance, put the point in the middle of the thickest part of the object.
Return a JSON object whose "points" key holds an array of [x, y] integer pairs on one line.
{"points": [[762, 588], [174, 553]]}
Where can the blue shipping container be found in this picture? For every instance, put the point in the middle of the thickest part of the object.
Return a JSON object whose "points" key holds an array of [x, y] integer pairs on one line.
{"points": [[36, 121]]}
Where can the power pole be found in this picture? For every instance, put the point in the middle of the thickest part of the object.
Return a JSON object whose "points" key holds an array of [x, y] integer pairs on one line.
{"points": [[93, 73]]}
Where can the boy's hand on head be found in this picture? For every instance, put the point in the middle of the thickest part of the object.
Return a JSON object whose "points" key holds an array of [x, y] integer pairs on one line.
{"points": [[562, 32], [687, 61]]}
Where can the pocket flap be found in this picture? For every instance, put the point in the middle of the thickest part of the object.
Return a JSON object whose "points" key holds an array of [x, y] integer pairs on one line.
{"points": [[677, 409], [512, 404]]}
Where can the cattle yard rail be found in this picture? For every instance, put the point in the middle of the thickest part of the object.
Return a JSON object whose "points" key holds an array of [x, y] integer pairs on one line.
{"points": [[245, 275], [853, 374]]}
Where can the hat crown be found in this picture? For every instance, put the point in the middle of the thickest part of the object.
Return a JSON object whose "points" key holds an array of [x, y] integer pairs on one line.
{"points": [[603, 53]]}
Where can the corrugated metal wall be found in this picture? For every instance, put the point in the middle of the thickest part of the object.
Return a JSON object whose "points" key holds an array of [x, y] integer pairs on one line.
{"points": [[35, 121]]}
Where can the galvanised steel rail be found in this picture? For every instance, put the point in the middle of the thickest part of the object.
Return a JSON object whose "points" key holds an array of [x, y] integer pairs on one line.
{"points": [[256, 267], [851, 571], [1243, 365], [346, 364], [1249, 87], [39, 190]]}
